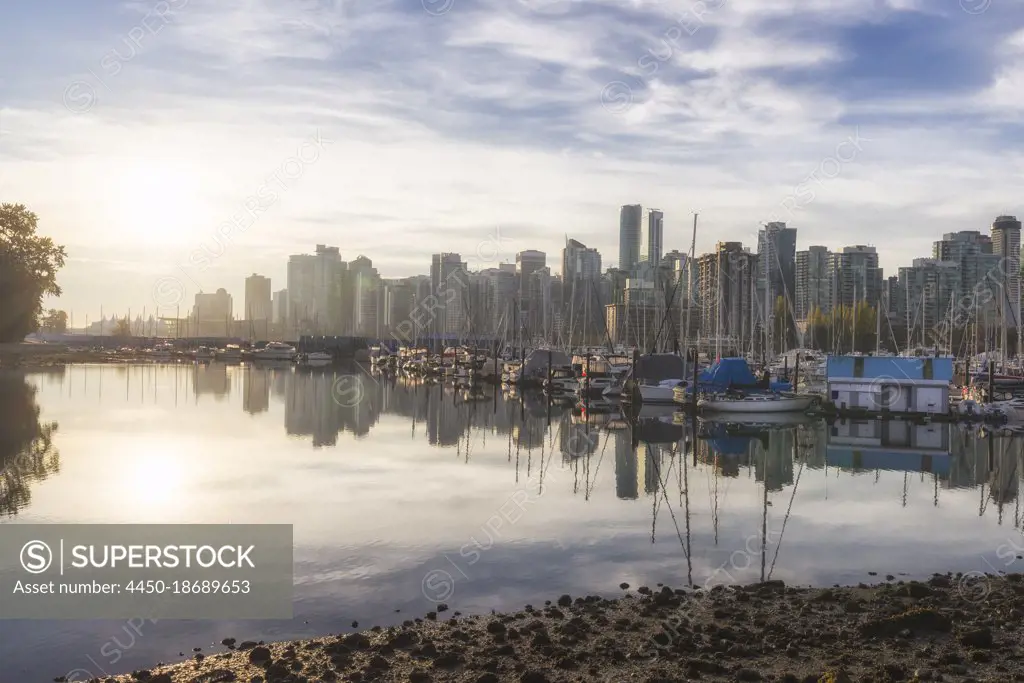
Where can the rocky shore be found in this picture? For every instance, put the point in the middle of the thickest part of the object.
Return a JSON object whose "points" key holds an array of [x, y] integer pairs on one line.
{"points": [[949, 628]]}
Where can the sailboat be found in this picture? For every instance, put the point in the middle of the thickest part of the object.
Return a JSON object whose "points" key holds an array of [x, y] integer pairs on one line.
{"points": [[756, 403]]}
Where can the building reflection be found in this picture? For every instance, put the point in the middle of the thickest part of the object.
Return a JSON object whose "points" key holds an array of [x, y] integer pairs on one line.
{"points": [[211, 379], [256, 390]]}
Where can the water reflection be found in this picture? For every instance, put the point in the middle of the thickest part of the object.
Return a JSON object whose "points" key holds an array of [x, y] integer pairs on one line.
{"points": [[388, 482], [27, 452]]}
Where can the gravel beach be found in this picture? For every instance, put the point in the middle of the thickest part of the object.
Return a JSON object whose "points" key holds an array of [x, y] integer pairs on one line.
{"points": [[949, 628]]}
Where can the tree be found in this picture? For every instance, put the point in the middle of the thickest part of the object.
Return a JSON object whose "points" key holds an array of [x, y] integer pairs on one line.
{"points": [[123, 328], [28, 271], [55, 321]]}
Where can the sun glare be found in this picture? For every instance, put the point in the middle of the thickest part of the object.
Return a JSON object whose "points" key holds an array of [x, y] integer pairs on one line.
{"points": [[155, 478], [158, 202]]}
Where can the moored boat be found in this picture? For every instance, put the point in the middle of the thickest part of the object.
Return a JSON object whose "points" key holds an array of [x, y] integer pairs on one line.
{"points": [[756, 403], [275, 351], [314, 359]]}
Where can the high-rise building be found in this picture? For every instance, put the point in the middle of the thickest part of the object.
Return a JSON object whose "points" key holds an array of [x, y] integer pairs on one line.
{"points": [[630, 221], [653, 243], [580, 262], [855, 276], [776, 252], [980, 287], [725, 283], [449, 284], [365, 286], [812, 281], [314, 292], [212, 314], [1006, 245], [258, 298], [280, 307], [398, 299], [581, 303], [532, 289], [497, 309], [926, 293]]}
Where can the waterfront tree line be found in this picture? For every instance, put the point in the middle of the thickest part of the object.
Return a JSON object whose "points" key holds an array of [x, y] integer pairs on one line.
{"points": [[28, 271]]}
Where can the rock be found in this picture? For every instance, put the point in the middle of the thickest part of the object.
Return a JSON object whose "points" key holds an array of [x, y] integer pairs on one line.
{"points": [[533, 676], [379, 663], [624, 586], [448, 660], [247, 645], [748, 675], [228, 642], [259, 655], [914, 589], [564, 601], [981, 638], [216, 676], [915, 620]]}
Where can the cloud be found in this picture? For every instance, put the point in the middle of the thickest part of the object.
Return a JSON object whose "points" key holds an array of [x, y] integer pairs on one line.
{"points": [[446, 124]]}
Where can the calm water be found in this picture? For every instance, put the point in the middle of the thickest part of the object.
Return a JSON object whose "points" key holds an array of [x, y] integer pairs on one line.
{"points": [[402, 495]]}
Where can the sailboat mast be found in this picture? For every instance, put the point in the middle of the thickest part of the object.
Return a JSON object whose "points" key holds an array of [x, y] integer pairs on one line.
{"points": [[853, 343], [908, 313], [689, 279]]}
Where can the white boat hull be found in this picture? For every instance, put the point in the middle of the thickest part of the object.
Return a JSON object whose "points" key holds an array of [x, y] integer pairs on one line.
{"points": [[661, 393], [756, 405]]}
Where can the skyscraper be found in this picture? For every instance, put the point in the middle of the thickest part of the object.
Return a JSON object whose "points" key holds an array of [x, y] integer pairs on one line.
{"points": [[448, 284], [925, 294], [280, 307], [980, 273], [725, 283], [776, 263], [258, 298], [533, 285], [653, 246], [365, 285], [580, 262], [581, 302], [812, 281], [314, 292], [1006, 245], [212, 313], [855, 276], [630, 220]]}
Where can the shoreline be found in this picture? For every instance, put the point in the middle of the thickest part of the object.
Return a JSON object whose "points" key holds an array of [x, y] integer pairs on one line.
{"points": [[953, 627]]}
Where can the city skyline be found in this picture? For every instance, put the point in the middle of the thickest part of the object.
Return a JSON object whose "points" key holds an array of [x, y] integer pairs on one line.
{"points": [[969, 282], [388, 128]]}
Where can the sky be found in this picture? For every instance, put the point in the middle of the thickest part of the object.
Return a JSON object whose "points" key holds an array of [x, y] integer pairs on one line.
{"points": [[175, 146]]}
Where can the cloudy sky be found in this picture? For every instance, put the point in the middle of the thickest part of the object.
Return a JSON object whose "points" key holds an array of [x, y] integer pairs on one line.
{"points": [[183, 144]]}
